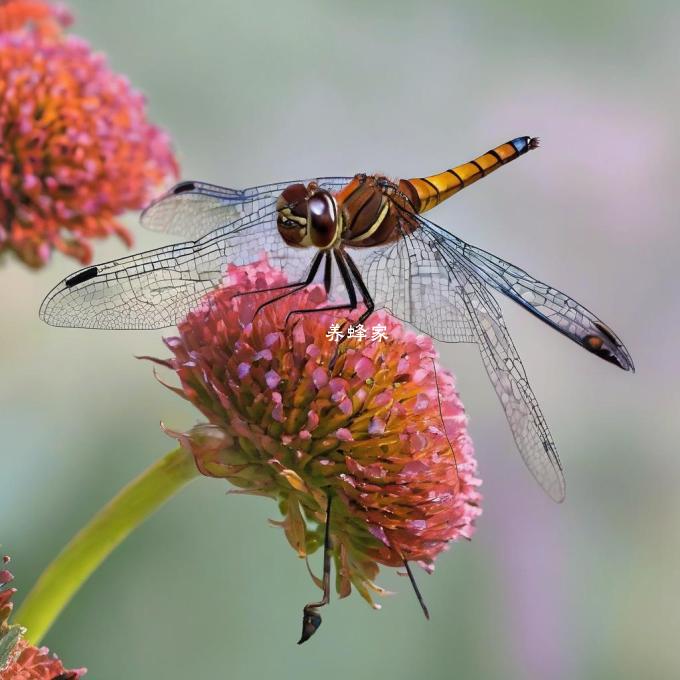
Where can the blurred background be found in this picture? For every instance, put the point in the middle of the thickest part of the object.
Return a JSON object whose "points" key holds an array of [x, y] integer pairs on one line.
{"points": [[266, 91]]}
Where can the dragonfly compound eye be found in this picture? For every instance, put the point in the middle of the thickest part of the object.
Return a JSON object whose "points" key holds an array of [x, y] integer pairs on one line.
{"points": [[323, 219], [291, 221]]}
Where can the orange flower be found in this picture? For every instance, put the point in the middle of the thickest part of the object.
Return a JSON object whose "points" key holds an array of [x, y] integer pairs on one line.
{"points": [[76, 148], [381, 429], [44, 17], [20, 660]]}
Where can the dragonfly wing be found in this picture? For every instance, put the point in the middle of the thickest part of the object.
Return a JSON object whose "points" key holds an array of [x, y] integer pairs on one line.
{"points": [[547, 303], [156, 288], [423, 280], [509, 379], [409, 279], [194, 209]]}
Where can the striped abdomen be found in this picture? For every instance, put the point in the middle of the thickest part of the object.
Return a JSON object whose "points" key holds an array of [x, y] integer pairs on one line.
{"points": [[427, 192]]}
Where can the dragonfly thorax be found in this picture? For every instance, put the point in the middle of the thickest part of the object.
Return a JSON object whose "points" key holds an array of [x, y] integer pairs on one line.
{"points": [[308, 216]]}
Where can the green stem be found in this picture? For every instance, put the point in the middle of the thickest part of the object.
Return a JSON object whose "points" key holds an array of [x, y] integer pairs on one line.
{"points": [[95, 541]]}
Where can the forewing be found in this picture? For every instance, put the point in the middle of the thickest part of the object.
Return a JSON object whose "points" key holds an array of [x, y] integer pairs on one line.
{"points": [[547, 303], [156, 288], [193, 209]]}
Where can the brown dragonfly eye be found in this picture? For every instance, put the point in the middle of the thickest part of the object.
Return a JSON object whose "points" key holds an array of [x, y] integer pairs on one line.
{"points": [[291, 220], [323, 219]]}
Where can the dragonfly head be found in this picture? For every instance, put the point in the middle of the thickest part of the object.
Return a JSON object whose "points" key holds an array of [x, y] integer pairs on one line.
{"points": [[307, 216]]}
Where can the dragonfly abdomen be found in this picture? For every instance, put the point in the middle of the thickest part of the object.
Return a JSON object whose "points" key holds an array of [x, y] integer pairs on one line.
{"points": [[427, 192]]}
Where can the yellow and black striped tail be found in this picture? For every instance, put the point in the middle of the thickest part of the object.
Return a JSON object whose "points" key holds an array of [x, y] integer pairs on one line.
{"points": [[428, 192]]}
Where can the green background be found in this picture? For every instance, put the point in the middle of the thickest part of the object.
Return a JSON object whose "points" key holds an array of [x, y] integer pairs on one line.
{"points": [[264, 91]]}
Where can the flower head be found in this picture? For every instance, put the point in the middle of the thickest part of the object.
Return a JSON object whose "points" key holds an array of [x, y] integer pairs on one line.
{"points": [[43, 17], [380, 428], [76, 148], [18, 659]]}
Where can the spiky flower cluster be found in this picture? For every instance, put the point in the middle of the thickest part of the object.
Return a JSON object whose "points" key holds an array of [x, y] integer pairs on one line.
{"points": [[380, 428], [20, 660], [46, 18], [76, 148]]}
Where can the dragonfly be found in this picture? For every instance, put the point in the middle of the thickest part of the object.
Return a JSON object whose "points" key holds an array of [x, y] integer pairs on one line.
{"points": [[367, 239]]}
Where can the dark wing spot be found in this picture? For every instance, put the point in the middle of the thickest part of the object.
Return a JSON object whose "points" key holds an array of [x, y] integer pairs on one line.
{"points": [[594, 343], [81, 277], [606, 331], [183, 187]]}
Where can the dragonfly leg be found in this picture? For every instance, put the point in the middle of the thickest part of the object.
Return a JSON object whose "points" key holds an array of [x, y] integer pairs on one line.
{"points": [[349, 286], [296, 286], [328, 273], [267, 290], [366, 296], [367, 300], [416, 590], [311, 619]]}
